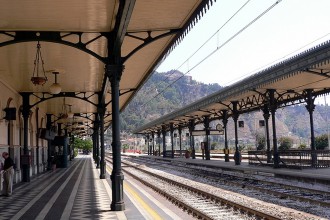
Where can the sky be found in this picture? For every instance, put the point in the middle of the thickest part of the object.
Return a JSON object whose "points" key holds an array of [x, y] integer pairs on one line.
{"points": [[218, 50]]}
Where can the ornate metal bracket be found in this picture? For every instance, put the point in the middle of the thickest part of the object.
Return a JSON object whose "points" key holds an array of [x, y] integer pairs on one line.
{"points": [[44, 96], [72, 39]]}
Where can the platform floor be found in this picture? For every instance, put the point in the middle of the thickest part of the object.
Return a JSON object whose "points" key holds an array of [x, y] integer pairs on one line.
{"points": [[77, 192]]}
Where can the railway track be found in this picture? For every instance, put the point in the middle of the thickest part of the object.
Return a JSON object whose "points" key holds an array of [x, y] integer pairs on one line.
{"points": [[204, 203], [292, 195], [200, 204]]}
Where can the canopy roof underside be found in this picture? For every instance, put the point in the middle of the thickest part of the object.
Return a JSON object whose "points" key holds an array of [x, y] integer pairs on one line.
{"points": [[75, 25], [290, 79]]}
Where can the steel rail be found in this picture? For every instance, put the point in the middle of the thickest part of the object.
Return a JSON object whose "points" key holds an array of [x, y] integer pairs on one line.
{"points": [[236, 206]]}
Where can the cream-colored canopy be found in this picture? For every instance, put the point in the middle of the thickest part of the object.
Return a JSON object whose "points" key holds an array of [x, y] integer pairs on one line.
{"points": [[290, 81], [76, 38]]}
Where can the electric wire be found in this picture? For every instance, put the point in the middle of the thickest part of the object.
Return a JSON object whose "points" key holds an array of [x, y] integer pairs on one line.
{"points": [[219, 47], [210, 38]]}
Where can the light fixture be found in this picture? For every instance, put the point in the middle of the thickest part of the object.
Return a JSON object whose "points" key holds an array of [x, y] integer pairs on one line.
{"points": [[55, 88], [70, 113], [36, 79], [64, 113]]}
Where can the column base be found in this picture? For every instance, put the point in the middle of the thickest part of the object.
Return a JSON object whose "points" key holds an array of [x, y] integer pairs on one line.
{"points": [[120, 206], [237, 158], [117, 203], [25, 173], [226, 157]]}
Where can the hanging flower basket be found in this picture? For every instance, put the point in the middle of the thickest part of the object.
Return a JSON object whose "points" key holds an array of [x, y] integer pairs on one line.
{"points": [[38, 80]]}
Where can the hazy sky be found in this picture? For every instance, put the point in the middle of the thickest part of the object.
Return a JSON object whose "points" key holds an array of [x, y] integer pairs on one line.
{"points": [[288, 28]]}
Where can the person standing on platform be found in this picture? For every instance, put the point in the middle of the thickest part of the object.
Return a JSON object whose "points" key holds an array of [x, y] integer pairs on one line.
{"points": [[8, 175]]}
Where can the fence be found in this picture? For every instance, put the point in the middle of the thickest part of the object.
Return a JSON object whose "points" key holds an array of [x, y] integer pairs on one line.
{"points": [[293, 158]]}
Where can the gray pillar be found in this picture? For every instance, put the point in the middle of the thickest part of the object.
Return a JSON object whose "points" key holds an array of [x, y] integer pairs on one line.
{"points": [[191, 127], [114, 73], [37, 139], [172, 142], [273, 107], [207, 130], [225, 122], [164, 141], [266, 118], [101, 111], [148, 144], [180, 141], [97, 144], [158, 135], [26, 157], [49, 142], [237, 155], [310, 108], [153, 143]]}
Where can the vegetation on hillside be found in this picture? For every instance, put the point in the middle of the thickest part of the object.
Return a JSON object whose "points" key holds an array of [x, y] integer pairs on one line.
{"points": [[159, 97]]}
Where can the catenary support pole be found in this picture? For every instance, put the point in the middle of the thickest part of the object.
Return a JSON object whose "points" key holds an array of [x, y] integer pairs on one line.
{"points": [[237, 155]]}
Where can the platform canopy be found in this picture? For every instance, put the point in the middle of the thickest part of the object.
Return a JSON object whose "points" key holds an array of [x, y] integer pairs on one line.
{"points": [[78, 38], [289, 82]]}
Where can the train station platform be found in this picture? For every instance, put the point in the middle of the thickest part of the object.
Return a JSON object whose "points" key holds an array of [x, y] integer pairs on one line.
{"points": [[320, 175], [77, 192]]}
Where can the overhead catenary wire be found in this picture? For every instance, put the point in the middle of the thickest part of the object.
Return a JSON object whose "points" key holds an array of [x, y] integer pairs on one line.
{"points": [[210, 38], [216, 49]]}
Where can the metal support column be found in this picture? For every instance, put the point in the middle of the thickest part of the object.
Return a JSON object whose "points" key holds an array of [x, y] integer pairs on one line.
{"points": [[94, 146], [225, 122], [114, 72], [273, 107], [37, 139], [207, 131], [237, 155], [180, 141], [164, 140], [310, 106], [97, 145], [266, 118], [26, 156], [191, 127], [153, 143], [148, 144], [49, 142], [101, 111], [158, 136], [172, 142]]}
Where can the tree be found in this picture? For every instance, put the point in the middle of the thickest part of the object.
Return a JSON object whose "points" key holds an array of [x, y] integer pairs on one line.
{"points": [[321, 142], [285, 143], [83, 144]]}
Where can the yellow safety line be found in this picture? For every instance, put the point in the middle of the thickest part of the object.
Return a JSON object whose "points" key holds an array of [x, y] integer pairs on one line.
{"points": [[140, 200]]}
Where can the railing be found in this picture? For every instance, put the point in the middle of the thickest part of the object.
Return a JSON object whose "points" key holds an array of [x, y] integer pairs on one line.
{"points": [[294, 158]]}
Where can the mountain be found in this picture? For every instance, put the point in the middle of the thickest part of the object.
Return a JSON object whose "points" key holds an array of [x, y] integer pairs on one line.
{"points": [[168, 91], [162, 94]]}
